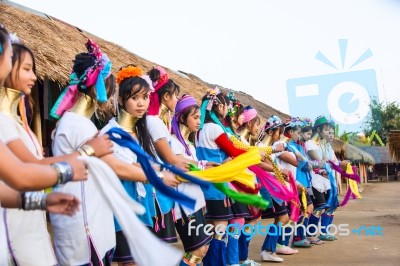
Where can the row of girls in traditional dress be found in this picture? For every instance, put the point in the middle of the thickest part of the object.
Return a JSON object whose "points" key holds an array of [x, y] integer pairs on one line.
{"points": [[91, 236], [136, 189]]}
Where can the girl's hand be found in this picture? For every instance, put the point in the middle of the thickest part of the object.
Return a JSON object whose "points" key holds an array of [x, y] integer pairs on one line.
{"points": [[262, 155], [61, 203], [285, 174], [211, 164], [323, 173], [101, 145], [169, 179], [279, 147], [183, 165]]}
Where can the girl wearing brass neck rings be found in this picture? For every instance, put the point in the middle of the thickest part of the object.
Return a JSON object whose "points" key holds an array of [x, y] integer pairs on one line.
{"points": [[133, 102], [163, 101], [35, 177], [92, 232], [317, 150], [185, 123], [272, 131], [249, 127], [162, 106], [20, 139]]}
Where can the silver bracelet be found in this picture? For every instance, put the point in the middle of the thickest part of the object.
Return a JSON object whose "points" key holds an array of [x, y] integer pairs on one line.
{"points": [[65, 172], [34, 200]]}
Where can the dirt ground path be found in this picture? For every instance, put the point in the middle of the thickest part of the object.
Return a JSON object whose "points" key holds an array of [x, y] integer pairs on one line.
{"points": [[380, 206]]}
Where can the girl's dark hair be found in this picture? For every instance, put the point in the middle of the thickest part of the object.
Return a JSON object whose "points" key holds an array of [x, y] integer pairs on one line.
{"points": [[306, 129], [223, 99], [19, 52], [294, 128], [288, 128], [170, 87], [128, 88], [319, 128], [81, 63], [184, 116], [3, 37]]}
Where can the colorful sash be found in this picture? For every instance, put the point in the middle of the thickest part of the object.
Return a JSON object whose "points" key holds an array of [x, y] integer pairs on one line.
{"points": [[145, 247]]}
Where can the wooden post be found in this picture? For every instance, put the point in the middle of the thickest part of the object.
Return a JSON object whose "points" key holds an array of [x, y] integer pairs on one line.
{"points": [[387, 172]]}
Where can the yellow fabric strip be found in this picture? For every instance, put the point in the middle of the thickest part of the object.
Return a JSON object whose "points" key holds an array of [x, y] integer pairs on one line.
{"points": [[303, 200], [353, 184], [233, 170], [268, 150]]}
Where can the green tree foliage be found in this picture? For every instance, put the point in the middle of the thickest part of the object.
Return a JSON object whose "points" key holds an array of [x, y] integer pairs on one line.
{"points": [[382, 118]]}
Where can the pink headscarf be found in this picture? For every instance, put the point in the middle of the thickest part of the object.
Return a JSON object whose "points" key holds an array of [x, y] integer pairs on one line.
{"points": [[154, 101], [248, 114]]}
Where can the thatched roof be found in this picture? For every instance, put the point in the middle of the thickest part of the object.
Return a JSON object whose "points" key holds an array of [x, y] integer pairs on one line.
{"points": [[350, 152], [394, 144], [380, 154], [55, 44]]}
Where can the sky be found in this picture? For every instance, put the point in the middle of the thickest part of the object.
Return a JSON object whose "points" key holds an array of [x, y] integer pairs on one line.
{"points": [[256, 46]]}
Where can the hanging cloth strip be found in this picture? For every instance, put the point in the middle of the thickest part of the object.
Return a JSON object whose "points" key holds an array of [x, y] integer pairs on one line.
{"points": [[24, 119], [233, 170], [303, 172], [332, 202], [145, 247], [124, 139], [276, 189], [352, 190]]}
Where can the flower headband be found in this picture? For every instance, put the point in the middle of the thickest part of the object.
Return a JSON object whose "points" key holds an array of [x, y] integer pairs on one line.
{"points": [[212, 97], [94, 75], [206, 107], [128, 72], [306, 122], [14, 38], [234, 105], [272, 123], [131, 72], [294, 121]]}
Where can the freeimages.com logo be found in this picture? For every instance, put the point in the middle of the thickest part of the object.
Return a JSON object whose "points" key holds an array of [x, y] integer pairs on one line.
{"points": [[344, 96], [251, 230]]}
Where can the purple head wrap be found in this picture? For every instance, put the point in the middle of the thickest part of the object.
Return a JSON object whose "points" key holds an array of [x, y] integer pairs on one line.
{"points": [[184, 103]]}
